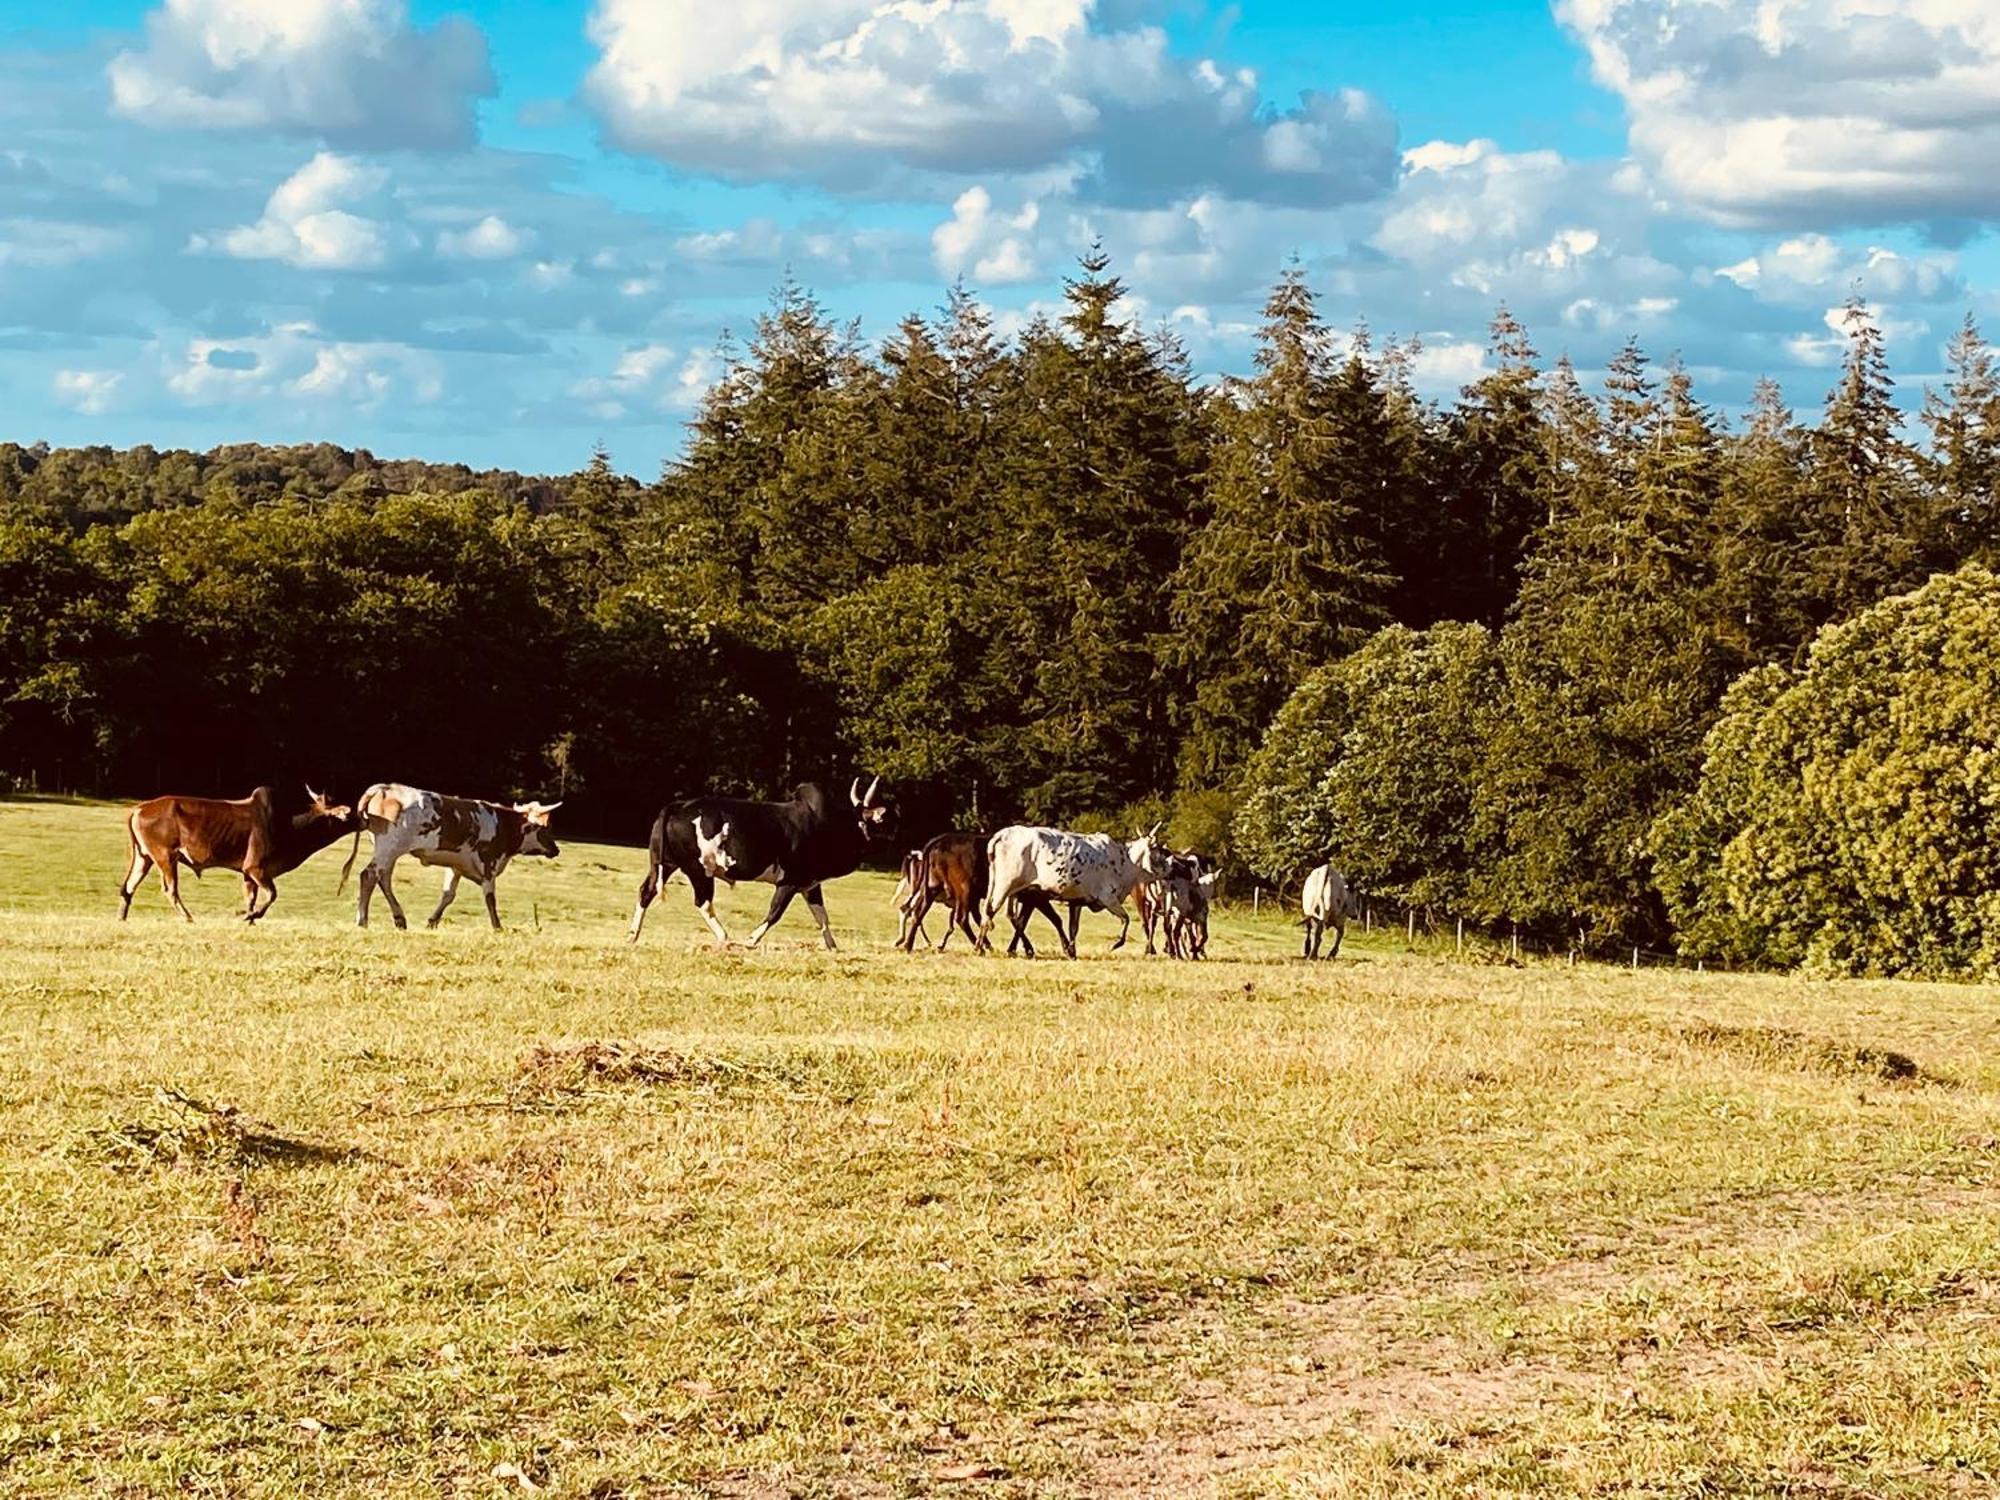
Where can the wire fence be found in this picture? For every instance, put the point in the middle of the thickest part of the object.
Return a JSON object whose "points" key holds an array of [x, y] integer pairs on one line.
{"points": [[1428, 930]]}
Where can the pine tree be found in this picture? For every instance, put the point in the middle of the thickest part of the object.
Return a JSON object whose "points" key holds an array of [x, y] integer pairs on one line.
{"points": [[1964, 423], [1871, 528], [1101, 462], [1611, 664], [1494, 502], [1759, 610], [1280, 580]]}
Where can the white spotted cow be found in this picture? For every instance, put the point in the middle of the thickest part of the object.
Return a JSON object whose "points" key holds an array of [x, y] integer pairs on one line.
{"points": [[469, 839], [1327, 902], [1084, 869]]}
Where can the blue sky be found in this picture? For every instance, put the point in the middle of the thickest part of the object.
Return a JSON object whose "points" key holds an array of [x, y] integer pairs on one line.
{"points": [[501, 233]]}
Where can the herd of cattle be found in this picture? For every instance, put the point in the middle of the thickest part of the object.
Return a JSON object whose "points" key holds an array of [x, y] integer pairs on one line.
{"points": [[794, 846]]}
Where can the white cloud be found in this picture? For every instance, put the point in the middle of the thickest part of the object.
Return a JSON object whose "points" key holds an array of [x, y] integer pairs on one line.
{"points": [[492, 238], [87, 391], [1806, 268], [355, 72], [1807, 112], [646, 380], [295, 362], [850, 92], [301, 225], [994, 249]]}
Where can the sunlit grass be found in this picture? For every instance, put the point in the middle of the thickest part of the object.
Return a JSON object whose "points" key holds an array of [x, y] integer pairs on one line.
{"points": [[1388, 1226]]}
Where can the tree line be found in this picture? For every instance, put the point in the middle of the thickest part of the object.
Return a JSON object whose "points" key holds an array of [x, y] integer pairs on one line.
{"points": [[1471, 646]]}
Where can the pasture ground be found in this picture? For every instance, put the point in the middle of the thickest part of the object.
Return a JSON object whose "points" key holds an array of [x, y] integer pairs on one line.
{"points": [[305, 1210]]}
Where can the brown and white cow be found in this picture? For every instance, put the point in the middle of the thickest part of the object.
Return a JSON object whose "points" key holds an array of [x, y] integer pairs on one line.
{"points": [[469, 839], [264, 835]]}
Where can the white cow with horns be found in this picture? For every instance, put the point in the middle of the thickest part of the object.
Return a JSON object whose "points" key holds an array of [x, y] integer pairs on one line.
{"points": [[1084, 869]]}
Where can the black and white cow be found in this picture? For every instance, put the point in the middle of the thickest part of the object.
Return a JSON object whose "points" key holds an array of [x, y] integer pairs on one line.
{"points": [[792, 845]]}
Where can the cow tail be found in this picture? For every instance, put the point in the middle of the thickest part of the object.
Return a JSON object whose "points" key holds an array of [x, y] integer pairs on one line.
{"points": [[352, 855]]}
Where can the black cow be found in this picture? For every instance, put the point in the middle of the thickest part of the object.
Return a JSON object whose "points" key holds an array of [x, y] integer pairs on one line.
{"points": [[792, 845]]}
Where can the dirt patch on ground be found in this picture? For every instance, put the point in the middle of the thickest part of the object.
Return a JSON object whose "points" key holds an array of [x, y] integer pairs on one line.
{"points": [[182, 1130], [1777, 1046], [551, 1074]]}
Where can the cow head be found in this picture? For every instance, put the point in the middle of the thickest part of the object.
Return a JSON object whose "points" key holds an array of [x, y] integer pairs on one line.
{"points": [[319, 810], [535, 835], [712, 851], [1150, 855], [873, 812]]}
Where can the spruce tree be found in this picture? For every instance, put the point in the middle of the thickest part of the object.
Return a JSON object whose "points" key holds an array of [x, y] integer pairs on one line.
{"points": [[1282, 578], [1494, 500], [1964, 423]]}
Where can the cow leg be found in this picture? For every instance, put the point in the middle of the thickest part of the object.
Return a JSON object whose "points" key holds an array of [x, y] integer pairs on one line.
{"points": [[780, 899], [1124, 926], [1075, 921], [918, 913], [170, 882], [487, 889], [134, 878], [1018, 912], [816, 904], [648, 889], [260, 892], [383, 879], [703, 884], [444, 897], [1339, 932], [1306, 951]]}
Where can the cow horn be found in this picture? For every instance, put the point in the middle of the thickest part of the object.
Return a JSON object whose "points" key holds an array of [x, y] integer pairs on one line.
{"points": [[854, 792], [313, 795], [1154, 831], [868, 797], [550, 808]]}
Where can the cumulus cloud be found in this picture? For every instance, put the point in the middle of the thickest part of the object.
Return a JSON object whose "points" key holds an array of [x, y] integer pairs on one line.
{"points": [[849, 92], [648, 378], [1806, 268], [993, 248], [87, 391], [1807, 112], [492, 238], [357, 73], [304, 225]]}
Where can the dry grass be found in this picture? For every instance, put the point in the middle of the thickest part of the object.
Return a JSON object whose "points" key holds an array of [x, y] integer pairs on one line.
{"points": [[657, 1221]]}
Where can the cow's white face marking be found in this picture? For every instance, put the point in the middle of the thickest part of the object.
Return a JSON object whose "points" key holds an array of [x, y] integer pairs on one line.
{"points": [[714, 857]]}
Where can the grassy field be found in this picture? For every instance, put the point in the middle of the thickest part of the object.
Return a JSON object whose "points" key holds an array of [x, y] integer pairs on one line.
{"points": [[305, 1210]]}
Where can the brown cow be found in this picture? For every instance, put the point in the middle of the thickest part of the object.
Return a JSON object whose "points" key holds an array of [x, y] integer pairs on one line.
{"points": [[954, 871], [254, 835]]}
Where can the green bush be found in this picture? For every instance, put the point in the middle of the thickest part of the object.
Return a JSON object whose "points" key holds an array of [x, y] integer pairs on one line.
{"points": [[1845, 817], [1375, 762]]}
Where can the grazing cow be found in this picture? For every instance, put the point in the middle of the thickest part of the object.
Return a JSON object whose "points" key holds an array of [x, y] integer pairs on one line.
{"points": [[954, 871], [1327, 902], [259, 835], [1185, 896], [466, 837], [1084, 869], [792, 845]]}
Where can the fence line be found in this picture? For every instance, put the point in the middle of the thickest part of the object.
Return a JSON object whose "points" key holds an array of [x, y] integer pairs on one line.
{"points": [[1458, 934]]}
